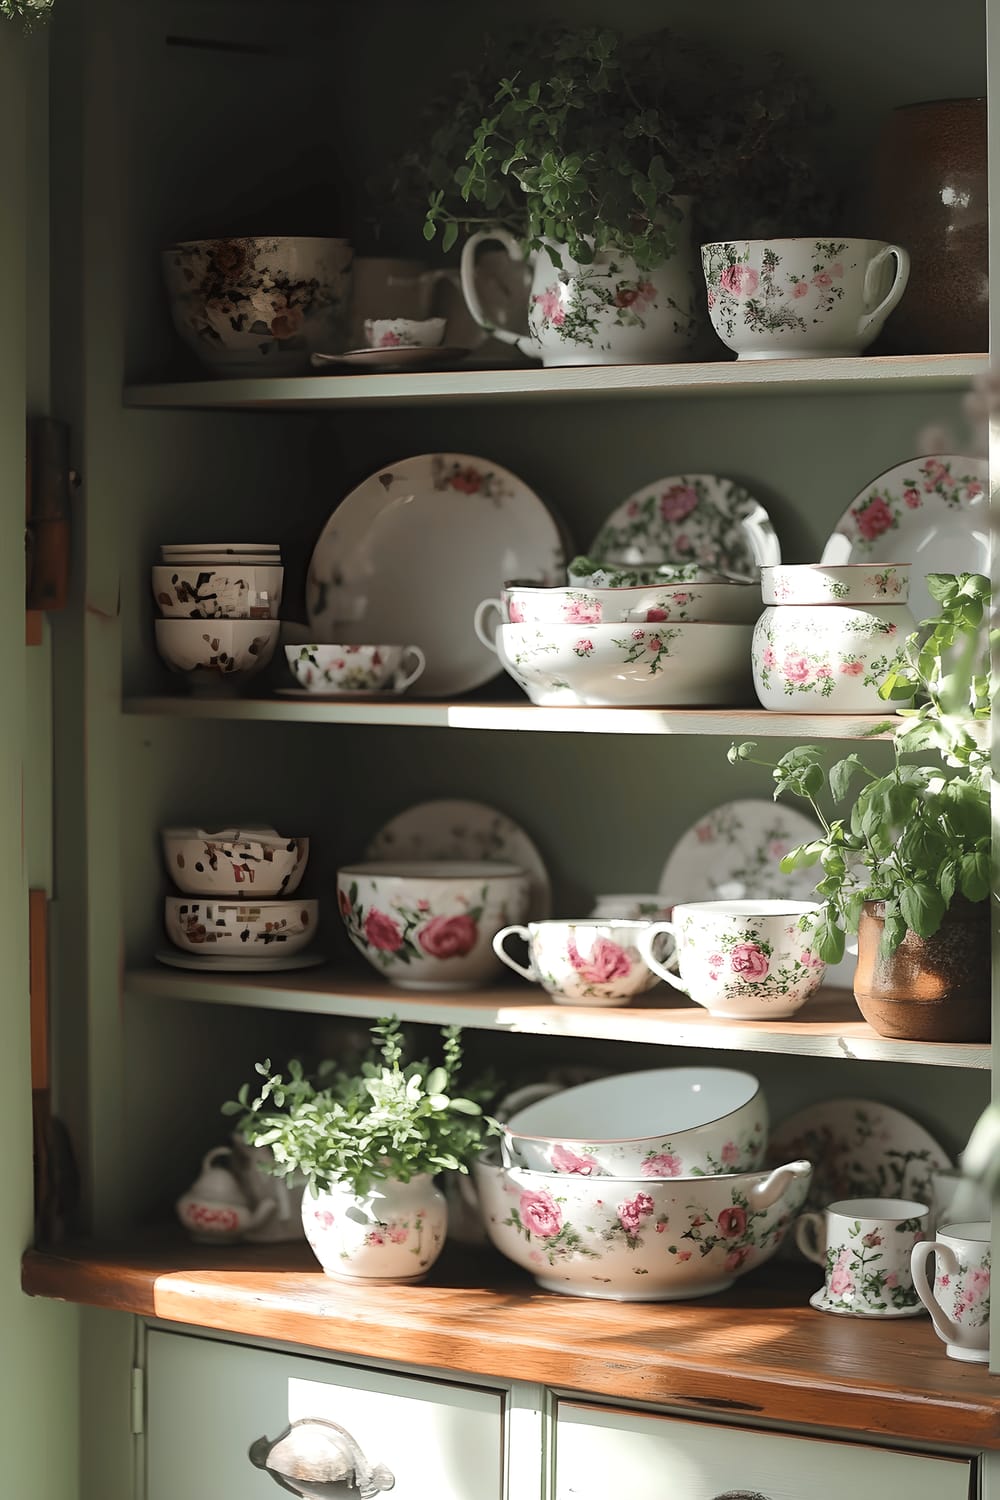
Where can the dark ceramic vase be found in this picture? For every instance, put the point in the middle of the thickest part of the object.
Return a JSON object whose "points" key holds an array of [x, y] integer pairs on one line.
{"points": [[933, 989], [928, 193]]}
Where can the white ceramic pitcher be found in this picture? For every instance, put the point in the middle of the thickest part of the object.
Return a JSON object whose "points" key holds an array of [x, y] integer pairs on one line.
{"points": [[605, 313]]}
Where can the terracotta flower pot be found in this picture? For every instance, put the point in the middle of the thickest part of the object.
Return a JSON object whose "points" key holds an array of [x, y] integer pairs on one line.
{"points": [[928, 192], [931, 989]]}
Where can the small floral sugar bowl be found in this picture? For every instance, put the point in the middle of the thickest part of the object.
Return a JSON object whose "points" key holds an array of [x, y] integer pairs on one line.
{"points": [[830, 635]]}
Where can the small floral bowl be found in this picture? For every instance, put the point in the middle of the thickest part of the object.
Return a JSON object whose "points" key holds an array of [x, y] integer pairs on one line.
{"points": [[225, 927], [348, 670], [737, 603], [199, 591], [845, 583], [404, 333], [430, 925], [216, 653], [637, 1240], [663, 1122], [234, 861], [581, 963], [830, 660]]}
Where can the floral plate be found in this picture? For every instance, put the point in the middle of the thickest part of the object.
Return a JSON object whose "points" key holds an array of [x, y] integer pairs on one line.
{"points": [[234, 962], [690, 518], [932, 512], [859, 1149], [822, 1303], [734, 852], [410, 552], [447, 828]]}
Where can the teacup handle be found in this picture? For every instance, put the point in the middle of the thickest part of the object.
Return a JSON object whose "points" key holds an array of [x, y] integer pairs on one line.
{"points": [[878, 314], [945, 1258], [809, 1237], [644, 943], [479, 622], [408, 674], [528, 973], [468, 276]]}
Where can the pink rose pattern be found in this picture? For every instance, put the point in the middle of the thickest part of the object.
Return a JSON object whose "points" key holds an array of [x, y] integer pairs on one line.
{"points": [[741, 963], [770, 299], [449, 937], [879, 510], [869, 1271], [605, 962], [565, 1160], [816, 673], [540, 1214], [586, 305], [692, 519], [970, 1293], [409, 934]]}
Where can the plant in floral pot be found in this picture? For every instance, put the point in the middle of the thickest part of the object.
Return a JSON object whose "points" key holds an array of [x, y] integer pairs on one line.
{"points": [[907, 864], [582, 150], [369, 1145]]}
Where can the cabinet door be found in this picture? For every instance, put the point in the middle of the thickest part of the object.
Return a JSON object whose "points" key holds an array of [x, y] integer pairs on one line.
{"points": [[206, 1402], [601, 1452]]}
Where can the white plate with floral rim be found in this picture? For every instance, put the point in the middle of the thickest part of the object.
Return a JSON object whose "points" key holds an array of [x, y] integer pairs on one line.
{"points": [[734, 851], [859, 1149], [234, 963], [447, 828], [690, 518], [932, 512], [410, 552]]}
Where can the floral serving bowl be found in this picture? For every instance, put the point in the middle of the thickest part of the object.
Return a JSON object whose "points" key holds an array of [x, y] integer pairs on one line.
{"points": [[348, 670], [664, 1122], [234, 861], [202, 591], [644, 666], [241, 926], [429, 925], [841, 583], [210, 652], [634, 1239], [581, 963], [260, 305], [829, 660], [654, 604]]}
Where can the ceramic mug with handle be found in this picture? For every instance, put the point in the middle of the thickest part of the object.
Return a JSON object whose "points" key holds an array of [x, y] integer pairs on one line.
{"points": [[745, 960], [585, 963], [959, 1300], [864, 1246]]}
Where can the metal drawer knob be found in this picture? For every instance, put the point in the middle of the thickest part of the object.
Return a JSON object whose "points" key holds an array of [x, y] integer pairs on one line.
{"points": [[320, 1460], [741, 1495]]}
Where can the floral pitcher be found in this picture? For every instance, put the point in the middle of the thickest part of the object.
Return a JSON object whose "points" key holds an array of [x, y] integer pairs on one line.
{"points": [[605, 313]]}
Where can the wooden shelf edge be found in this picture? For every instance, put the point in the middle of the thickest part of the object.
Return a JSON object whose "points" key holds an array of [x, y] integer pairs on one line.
{"points": [[828, 1026], [713, 378], [758, 1350]]}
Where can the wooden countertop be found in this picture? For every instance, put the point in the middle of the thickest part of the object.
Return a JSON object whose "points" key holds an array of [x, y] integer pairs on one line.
{"points": [[757, 1351]]}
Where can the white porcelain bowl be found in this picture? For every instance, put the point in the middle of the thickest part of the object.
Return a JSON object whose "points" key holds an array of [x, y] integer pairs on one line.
{"points": [[664, 1122], [643, 666], [829, 659], [244, 926], [204, 591], [260, 305], [245, 862], [656, 604], [352, 670], [430, 925], [828, 583], [637, 1240], [213, 651], [404, 333]]}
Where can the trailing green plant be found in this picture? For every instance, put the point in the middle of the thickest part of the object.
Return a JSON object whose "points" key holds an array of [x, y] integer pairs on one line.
{"points": [[28, 12], [917, 836], [388, 1119], [583, 137]]}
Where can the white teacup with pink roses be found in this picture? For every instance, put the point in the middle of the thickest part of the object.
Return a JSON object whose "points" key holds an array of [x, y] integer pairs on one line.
{"points": [[745, 960], [959, 1300], [582, 963], [864, 1246]]}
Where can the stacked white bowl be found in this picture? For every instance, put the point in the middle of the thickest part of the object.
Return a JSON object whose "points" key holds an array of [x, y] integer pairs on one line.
{"points": [[237, 885], [652, 638], [641, 1187], [219, 605]]}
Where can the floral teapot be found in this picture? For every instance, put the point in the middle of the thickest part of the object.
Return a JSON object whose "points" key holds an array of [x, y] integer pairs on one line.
{"points": [[606, 313]]}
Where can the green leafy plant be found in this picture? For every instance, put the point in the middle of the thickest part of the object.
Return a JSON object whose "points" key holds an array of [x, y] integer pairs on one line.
{"points": [[28, 12], [584, 137], [918, 836], [386, 1120]]}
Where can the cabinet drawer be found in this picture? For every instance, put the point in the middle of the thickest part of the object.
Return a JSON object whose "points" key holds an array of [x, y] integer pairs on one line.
{"points": [[206, 1402], [600, 1452]]}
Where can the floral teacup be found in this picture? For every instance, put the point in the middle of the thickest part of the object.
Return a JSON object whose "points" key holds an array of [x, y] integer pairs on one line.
{"points": [[959, 1303], [355, 669], [587, 962], [747, 960], [777, 299], [864, 1246]]}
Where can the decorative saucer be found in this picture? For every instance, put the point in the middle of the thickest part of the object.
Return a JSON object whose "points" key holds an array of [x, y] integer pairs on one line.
{"points": [[820, 1302], [403, 358]]}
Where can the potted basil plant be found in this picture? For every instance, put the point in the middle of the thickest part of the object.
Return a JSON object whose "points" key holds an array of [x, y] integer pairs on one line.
{"points": [[369, 1145], [904, 854]]}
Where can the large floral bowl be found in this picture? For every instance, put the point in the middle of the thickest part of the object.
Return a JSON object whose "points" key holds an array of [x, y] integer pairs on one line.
{"points": [[241, 926], [637, 1240], [835, 583], [662, 1122], [656, 604], [245, 862], [259, 305], [830, 659], [211, 653], [430, 925], [640, 666]]}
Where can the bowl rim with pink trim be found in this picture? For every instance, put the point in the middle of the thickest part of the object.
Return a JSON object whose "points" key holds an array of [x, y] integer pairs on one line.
{"points": [[834, 583]]}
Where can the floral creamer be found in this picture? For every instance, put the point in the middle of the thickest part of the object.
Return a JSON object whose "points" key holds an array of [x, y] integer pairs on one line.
{"points": [[959, 1301], [394, 1232]]}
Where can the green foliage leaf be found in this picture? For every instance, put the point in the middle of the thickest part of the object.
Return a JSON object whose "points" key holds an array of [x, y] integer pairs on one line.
{"points": [[921, 907], [974, 875]]}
